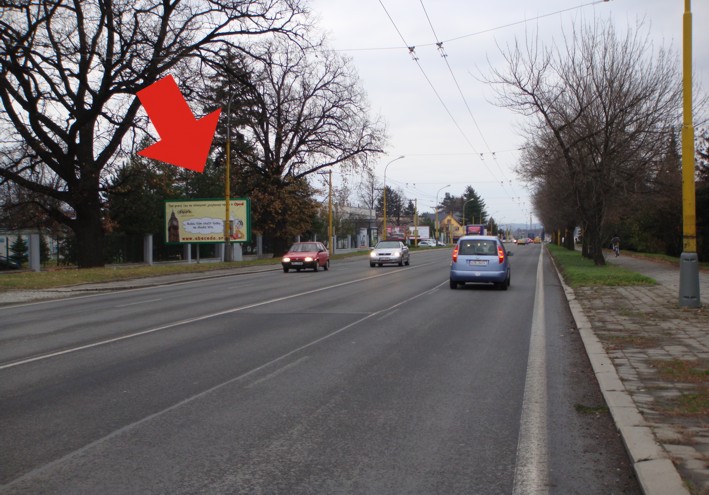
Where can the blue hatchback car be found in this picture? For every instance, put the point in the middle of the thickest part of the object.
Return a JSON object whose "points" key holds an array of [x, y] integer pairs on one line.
{"points": [[480, 259]]}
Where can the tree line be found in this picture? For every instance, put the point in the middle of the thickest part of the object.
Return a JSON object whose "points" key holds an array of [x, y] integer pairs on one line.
{"points": [[601, 146], [68, 79], [603, 123]]}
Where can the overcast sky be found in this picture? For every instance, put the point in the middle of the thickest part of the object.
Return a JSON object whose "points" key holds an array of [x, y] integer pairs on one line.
{"points": [[449, 138]]}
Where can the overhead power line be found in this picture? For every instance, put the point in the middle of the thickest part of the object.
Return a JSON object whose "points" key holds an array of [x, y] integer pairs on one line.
{"points": [[444, 56], [477, 33], [442, 102]]}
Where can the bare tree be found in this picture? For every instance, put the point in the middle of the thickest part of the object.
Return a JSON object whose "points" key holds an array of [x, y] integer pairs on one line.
{"points": [[69, 72], [306, 111], [303, 110], [367, 189], [542, 166], [605, 100]]}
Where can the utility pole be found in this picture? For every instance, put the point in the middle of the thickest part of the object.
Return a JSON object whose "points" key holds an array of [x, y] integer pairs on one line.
{"points": [[689, 261], [330, 240], [384, 234], [416, 222]]}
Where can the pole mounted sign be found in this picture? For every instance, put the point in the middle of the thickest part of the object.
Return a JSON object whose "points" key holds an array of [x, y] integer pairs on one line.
{"points": [[202, 221]]}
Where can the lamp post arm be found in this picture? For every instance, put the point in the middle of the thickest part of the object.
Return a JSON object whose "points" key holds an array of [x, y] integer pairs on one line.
{"points": [[384, 234]]}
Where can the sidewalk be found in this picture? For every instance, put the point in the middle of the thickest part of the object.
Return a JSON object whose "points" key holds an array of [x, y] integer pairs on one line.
{"points": [[651, 358]]}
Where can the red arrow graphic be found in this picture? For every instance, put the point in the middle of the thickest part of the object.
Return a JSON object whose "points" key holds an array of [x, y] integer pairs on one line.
{"points": [[184, 140]]}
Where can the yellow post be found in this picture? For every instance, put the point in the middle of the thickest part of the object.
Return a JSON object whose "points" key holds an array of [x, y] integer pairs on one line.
{"points": [[689, 262], [688, 187], [329, 215], [227, 198]]}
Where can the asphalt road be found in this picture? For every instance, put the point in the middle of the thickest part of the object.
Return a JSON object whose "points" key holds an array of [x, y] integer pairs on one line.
{"points": [[354, 380]]}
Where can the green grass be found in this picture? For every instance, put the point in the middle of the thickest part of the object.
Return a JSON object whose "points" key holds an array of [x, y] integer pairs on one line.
{"points": [[591, 410], [581, 272], [63, 277]]}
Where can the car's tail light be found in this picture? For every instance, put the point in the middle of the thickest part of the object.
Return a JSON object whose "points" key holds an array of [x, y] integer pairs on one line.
{"points": [[455, 253], [500, 254]]}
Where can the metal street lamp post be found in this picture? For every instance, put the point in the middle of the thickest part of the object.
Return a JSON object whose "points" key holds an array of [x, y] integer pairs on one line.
{"points": [[330, 240], [437, 239], [689, 262], [472, 199], [384, 234], [227, 184]]}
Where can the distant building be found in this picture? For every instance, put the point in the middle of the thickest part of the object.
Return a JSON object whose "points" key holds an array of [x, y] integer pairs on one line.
{"points": [[451, 228]]}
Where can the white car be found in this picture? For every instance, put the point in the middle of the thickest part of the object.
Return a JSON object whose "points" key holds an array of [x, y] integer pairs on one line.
{"points": [[427, 243], [389, 252]]}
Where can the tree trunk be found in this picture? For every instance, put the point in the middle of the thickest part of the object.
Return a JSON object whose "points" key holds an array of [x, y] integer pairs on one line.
{"points": [[595, 243], [569, 241], [88, 229]]}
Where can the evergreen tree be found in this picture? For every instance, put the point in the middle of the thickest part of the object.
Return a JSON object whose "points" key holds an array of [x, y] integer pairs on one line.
{"points": [[474, 207], [19, 250], [44, 251]]}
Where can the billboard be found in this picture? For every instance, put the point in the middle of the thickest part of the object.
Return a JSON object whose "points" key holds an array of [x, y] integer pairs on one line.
{"points": [[475, 229], [424, 232], [202, 220]]}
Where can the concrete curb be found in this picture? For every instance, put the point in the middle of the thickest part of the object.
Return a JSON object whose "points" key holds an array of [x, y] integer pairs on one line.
{"points": [[655, 471]]}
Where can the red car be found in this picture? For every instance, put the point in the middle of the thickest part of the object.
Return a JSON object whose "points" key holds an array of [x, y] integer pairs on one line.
{"points": [[306, 255]]}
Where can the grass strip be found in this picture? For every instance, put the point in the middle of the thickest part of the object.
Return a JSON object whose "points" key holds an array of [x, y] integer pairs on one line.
{"points": [[51, 278], [582, 272]]}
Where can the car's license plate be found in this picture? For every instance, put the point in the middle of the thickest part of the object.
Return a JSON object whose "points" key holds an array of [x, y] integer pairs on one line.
{"points": [[294, 263], [477, 262]]}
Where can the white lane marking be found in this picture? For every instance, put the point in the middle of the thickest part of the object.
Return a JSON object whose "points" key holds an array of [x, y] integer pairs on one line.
{"points": [[146, 301], [204, 393], [187, 321], [277, 372], [531, 468], [387, 315]]}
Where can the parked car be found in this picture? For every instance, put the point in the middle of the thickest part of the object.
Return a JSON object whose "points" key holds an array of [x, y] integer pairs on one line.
{"points": [[8, 264], [306, 255], [427, 243], [480, 259], [389, 252]]}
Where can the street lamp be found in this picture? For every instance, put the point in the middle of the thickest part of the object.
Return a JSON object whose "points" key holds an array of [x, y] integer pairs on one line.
{"points": [[330, 240], [227, 183], [689, 262], [437, 239], [384, 234], [471, 199]]}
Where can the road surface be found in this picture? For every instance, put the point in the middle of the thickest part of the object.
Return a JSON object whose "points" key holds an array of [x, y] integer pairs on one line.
{"points": [[354, 380]]}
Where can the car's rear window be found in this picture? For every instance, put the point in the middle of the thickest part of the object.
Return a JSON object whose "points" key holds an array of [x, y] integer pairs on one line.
{"points": [[486, 248]]}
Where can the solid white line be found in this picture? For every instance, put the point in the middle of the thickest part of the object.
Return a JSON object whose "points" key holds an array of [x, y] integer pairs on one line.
{"points": [[531, 468], [204, 393], [185, 322]]}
